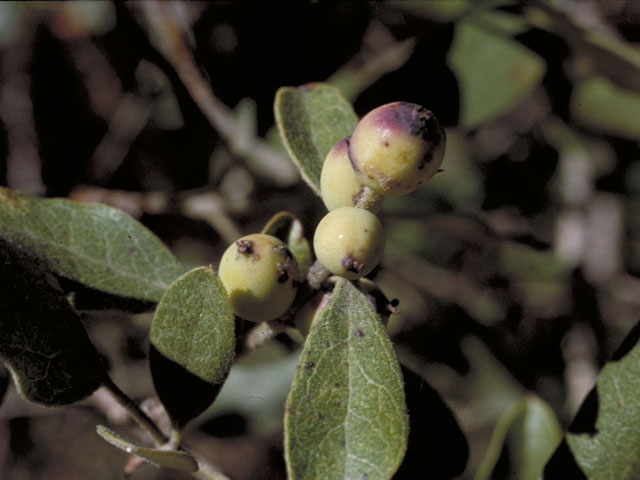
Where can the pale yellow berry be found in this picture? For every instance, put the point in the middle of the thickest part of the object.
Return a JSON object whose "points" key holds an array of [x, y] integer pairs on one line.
{"points": [[339, 184], [349, 242], [260, 276]]}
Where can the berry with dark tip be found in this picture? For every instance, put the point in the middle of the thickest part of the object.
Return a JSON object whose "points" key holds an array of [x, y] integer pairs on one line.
{"points": [[349, 242], [397, 147]]}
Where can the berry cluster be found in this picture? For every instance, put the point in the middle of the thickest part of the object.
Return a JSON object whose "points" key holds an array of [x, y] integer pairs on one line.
{"points": [[393, 150]]}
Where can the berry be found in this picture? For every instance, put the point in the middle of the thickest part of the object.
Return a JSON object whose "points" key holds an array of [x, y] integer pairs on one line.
{"points": [[260, 276], [397, 147], [349, 242], [339, 184]]}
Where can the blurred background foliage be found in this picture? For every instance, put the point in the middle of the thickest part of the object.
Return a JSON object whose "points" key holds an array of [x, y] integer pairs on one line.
{"points": [[517, 268]]}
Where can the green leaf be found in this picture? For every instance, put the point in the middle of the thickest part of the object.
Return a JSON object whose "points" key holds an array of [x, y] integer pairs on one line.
{"points": [[532, 432], [346, 415], [93, 244], [288, 228], [193, 344], [311, 119], [600, 104], [604, 439], [175, 459], [42, 338], [494, 72]]}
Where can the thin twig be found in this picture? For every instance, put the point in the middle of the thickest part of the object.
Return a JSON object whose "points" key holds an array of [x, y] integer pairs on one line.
{"points": [[136, 413], [167, 35]]}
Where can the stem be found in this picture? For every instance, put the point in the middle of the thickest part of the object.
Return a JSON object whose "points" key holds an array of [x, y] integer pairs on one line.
{"points": [[367, 199], [317, 275], [138, 415]]}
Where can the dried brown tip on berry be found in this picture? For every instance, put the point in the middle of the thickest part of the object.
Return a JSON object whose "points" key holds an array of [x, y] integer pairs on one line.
{"points": [[352, 264], [245, 246]]}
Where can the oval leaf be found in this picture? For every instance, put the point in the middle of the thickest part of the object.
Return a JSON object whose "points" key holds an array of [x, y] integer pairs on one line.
{"points": [[98, 246], [604, 439], [531, 430], [193, 344], [346, 415], [176, 459], [311, 119], [288, 228], [42, 338], [494, 72]]}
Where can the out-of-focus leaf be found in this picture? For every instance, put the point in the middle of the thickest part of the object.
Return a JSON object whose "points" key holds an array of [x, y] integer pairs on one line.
{"points": [[346, 415], [437, 448], [193, 343], [534, 436], [441, 11], [494, 72], [41, 337], [600, 104], [175, 459], [311, 119], [541, 276], [288, 228], [257, 389], [531, 431], [369, 66], [604, 440], [460, 183], [609, 56], [98, 246], [9, 22]]}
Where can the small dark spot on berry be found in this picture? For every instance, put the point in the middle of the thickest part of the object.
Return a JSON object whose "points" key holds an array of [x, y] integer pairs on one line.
{"points": [[319, 416], [336, 384], [351, 264], [359, 333], [386, 143], [245, 246], [309, 365], [283, 275]]}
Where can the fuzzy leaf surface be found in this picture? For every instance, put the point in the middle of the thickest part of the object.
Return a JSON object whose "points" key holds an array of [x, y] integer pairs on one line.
{"points": [[346, 414], [96, 245], [193, 343], [42, 339], [311, 119]]}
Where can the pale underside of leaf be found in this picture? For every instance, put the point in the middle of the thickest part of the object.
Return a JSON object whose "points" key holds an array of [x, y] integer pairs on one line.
{"points": [[346, 415], [176, 459]]}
